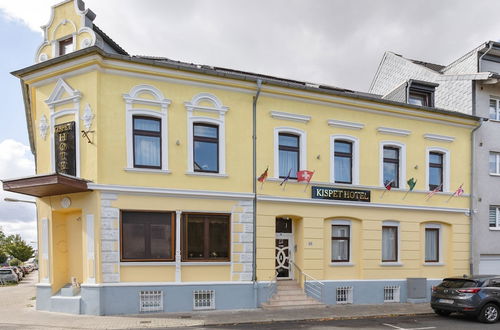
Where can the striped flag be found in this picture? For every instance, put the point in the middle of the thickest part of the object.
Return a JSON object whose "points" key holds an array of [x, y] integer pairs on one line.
{"points": [[459, 191], [432, 193]]}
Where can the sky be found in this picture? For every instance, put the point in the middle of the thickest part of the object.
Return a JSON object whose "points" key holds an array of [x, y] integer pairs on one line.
{"points": [[333, 42]]}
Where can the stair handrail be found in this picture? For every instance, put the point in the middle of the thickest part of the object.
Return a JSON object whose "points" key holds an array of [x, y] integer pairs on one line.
{"points": [[271, 287], [314, 288]]}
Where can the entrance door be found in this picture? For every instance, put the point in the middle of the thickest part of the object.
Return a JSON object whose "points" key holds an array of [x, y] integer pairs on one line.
{"points": [[284, 248]]}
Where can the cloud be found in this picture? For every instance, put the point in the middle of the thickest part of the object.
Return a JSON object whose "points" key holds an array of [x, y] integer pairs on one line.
{"points": [[16, 218], [332, 42]]}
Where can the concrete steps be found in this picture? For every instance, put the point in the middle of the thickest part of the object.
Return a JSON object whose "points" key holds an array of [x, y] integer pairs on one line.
{"points": [[289, 294], [67, 300]]}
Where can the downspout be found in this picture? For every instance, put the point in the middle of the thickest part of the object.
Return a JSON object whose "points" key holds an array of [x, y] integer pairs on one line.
{"points": [[481, 57], [472, 192], [254, 184]]}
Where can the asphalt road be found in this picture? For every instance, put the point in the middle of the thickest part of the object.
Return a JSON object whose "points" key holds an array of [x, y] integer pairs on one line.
{"points": [[424, 322]]}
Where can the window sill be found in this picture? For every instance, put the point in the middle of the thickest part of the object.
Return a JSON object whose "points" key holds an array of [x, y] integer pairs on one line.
{"points": [[146, 170], [147, 263], [433, 264], [206, 263], [391, 264], [341, 264], [217, 175], [495, 174], [494, 229]]}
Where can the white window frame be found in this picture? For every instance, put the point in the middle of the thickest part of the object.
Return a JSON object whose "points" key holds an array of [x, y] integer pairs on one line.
{"points": [[402, 162], [446, 167], [497, 106], [302, 148], [440, 244], [217, 108], [355, 157], [132, 99], [339, 222], [497, 163], [398, 243], [497, 217]]}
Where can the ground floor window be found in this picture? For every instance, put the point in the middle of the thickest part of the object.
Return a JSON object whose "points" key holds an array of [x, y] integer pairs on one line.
{"points": [[431, 245], [147, 236], [390, 243], [206, 237], [340, 243], [494, 216]]}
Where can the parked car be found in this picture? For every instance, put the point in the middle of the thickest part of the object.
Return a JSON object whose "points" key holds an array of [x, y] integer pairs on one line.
{"points": [[18, 272], [8, 275], [477, 295]]}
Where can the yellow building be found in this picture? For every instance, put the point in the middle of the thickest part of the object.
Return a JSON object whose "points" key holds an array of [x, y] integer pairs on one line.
{"points": [[148, 192]]}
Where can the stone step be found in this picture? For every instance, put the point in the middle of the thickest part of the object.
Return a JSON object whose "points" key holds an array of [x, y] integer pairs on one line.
{"points": [[289, 297], [290, 292], [293, 302], [271, 307], [287, 283]]}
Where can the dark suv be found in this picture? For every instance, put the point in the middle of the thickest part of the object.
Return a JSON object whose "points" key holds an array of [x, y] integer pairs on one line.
{"points": [[477, 295]]}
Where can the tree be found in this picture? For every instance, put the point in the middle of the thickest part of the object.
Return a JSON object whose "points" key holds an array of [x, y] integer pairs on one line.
{"points": [[18, 248], [14, 262]]}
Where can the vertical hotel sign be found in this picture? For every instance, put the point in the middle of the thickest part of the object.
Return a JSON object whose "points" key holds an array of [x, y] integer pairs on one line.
{"points": [[64, 139]]}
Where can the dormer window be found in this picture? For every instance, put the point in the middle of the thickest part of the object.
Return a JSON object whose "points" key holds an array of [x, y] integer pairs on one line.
{"points": [[421, 93], [66, 46]]}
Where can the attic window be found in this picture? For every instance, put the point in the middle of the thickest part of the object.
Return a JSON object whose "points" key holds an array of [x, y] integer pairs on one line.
{"points": [[66, 46], [421, 93]]}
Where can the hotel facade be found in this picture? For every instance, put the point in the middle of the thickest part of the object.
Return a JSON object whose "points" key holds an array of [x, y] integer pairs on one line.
{"points": [[168, 186]]}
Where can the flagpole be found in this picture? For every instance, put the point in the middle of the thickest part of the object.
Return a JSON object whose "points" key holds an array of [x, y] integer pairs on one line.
{"points": [[406, 194]]}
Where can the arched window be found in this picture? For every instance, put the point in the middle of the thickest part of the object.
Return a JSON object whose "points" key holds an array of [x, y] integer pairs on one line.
{"points": [[438, 169], [393, 164], [344, 159], [289, 152]]}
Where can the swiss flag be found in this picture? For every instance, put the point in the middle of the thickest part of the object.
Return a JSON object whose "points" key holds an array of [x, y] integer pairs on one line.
{"points": [[304, 175]]}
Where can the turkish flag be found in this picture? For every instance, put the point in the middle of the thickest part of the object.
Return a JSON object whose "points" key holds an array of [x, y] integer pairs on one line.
{"points": [[304, 175]]}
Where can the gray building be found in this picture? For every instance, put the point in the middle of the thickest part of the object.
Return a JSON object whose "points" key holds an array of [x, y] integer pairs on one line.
{"points": [[471, 85]]}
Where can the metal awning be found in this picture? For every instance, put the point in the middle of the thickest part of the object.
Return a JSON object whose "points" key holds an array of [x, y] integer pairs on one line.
{"points": [[46, 185]]}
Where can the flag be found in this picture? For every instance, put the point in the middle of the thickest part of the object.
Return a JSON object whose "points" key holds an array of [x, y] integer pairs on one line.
{"points": [[286, 178], [459, 191], [263, 176], [412, 182], [438, 188], [304, 175], [387, 184]]}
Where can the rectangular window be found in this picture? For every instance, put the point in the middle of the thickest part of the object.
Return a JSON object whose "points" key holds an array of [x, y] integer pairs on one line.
{"points": [[431, 245], [494, 109], [340, 243], [147, 142], [147, 236], [435, 171], [206, 148], [495, 163], [203, 299], [389, 243], [419, 98], [494, 216], [289, 151], [392, 293], [344, 295], [421, 93], [66, 46], [150, 301], [206, 237], [343, 161], [391, 166]]}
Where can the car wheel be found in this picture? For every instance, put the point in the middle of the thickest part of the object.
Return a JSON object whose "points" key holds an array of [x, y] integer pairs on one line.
{"points": [[489, 313], [442, 312]]}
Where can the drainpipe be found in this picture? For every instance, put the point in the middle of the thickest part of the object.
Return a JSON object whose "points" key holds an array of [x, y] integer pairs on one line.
{"points": [[254, 183], [486, 52], [472, 192]]}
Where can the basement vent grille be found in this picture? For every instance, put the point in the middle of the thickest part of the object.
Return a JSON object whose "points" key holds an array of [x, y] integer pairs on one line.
{"points": [[344, 295], [391, 293], [150, 301], [203, 299]]}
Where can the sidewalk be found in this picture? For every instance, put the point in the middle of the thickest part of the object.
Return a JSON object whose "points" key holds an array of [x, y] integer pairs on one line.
{"points": [[17, 310]]}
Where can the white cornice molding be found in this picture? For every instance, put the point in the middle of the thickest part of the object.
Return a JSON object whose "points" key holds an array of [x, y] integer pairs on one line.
{"points": [[393, 131], [208, 194], [345, 124], [163, 284], [290, 116], [439, 138], [278, 199]]}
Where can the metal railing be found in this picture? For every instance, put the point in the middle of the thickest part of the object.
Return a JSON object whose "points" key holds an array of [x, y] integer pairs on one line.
{"points": [[272, 286], [312, 287]]}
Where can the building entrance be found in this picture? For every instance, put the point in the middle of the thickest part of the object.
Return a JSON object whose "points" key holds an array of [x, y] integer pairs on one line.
{"points": [[284, 248]]}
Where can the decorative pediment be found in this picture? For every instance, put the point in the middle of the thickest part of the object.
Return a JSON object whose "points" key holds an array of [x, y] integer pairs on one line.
{"points": [[62, 94], [206, 102]]}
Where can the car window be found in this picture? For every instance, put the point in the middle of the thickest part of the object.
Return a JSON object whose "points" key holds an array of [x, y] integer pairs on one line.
{"points": [[458, 283], [5, 271], [495, 282]]}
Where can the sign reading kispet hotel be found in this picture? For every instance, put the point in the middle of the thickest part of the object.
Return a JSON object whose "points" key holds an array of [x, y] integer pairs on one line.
{"points": [[340, 194]]}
